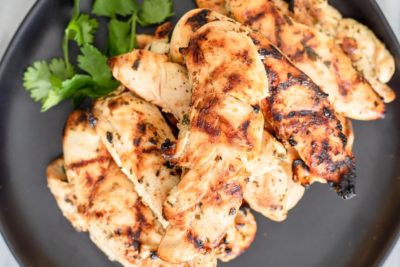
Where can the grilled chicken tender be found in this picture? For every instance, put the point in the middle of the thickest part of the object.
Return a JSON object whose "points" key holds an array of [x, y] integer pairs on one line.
{"points": [[323, 153], [154, 75], [106, 201], [302, 117], [223, 122], [268, 190], [133, 131], [367, 53], [316, 55]]}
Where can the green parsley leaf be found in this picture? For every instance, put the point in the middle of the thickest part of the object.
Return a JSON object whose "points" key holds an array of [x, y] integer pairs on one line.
{"points": [[111, 8], [95, 63], [155, 11]]}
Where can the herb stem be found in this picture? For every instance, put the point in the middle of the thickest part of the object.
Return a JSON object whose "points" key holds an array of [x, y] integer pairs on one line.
{"points": [[76, 8], [132, 43], [70, 69]]}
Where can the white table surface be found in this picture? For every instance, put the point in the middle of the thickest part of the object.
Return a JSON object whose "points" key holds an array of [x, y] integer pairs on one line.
{"points": [[13, 11]]}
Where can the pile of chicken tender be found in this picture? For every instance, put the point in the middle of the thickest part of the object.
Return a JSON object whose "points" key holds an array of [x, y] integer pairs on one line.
{"points": [[239, 108]]}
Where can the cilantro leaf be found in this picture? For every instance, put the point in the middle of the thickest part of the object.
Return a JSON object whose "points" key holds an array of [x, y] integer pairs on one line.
{"points": [[95, 63], [82, 29], [67, 89], [111, 8], [155, 11], [37, 80], [76, 88], [40, 77], [119, 34], [58, 67]]}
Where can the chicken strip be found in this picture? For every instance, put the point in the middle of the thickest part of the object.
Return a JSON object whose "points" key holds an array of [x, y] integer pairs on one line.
{"points": [[64, 194], [113, 214], [368, 54], [155, 76], [316, 55], [211, 190], [133, 130]]}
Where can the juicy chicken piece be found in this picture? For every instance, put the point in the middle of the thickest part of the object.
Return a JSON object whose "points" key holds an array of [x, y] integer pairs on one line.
{"points": [[215, 5], [368, 54], [223, 122], [105, 200], [303, 118], [296, 102], [316, 55], [154, 75], [133, 131], [238, 238]]}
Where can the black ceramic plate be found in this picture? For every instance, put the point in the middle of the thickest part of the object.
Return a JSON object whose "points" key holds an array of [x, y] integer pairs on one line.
{"points": [[322, 230]]}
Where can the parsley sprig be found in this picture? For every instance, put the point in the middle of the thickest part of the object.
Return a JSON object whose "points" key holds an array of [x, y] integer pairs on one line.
{"points": [[50, 82]]}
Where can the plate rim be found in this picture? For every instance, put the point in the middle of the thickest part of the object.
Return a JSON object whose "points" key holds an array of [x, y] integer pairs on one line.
{"points": [[381, 255]]}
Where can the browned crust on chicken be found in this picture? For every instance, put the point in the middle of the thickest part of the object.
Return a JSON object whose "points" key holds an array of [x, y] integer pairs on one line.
{"points": [[223, 122], [305, 121], [239, 237], [315, 54], [303, 118]]}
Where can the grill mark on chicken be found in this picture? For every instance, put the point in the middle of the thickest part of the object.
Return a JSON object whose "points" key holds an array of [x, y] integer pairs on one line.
{"points": [[194, 47], [84, 163], [192, 237], [206, 119], [198, 19], [164, 30], [264, 10], [234, 79], [271, 51]]}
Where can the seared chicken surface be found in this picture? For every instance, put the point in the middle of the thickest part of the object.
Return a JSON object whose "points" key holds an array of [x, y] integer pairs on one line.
{"points": [[133, 131], [223, 122], [268, 189], [368, 54], [316, 55], [298, 112], [155, 77], [106, 201]]}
